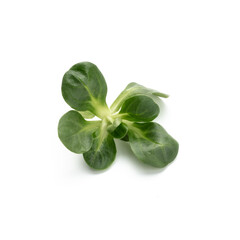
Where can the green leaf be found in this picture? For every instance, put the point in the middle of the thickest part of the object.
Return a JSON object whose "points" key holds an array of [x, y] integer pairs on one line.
{"points": [[139, 108], [125, 138], [103, 150], [76, 133], [87, 114], [84, 88], [134, 89], [117, 129], [152, 144]]}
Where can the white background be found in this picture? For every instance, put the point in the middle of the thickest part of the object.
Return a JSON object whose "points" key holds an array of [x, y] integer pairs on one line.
{"points": [[188, 49]]}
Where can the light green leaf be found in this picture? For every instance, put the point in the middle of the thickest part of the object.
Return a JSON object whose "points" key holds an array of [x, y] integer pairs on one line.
{"points": [[152, 144], [87, 114], [84, 88], [140, 109], [103, 150], [76, 133], [134, 89]]}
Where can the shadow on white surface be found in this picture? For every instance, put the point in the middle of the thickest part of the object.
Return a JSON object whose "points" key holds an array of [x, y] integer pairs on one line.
{"points": [[83, 167], [163, 109]]}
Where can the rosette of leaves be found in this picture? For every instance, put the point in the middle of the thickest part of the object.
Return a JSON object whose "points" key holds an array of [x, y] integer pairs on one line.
{"points": [[129, 118]]}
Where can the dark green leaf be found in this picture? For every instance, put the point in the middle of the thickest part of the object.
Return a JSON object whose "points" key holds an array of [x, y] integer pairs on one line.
{"points": [[125, 138], [117, 129], [139, 108], [84, 88], [76, 133], [103, 150], [134, 89], [152, 144]]}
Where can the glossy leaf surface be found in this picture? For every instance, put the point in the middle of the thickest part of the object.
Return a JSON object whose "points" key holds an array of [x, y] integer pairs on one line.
{"points": [[152, 144], [76, 133], [84, 88], [140, 109]]}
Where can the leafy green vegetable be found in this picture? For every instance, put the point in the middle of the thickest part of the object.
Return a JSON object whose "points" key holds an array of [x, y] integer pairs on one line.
{"points": [[76, 133], [103, 150], [140, 109], [128, 119], [152, 144], [135, 89], [84, 89]]}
